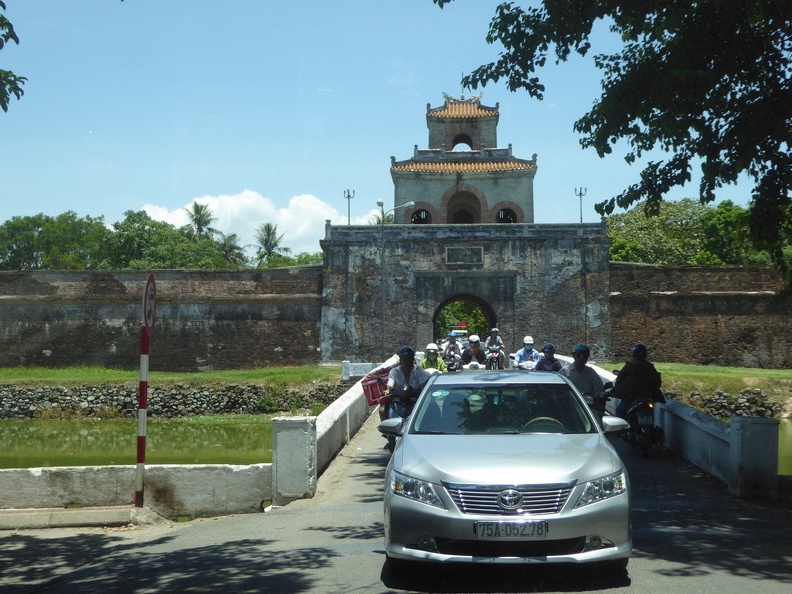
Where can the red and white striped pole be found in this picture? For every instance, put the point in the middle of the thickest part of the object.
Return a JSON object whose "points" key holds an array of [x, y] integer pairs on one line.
{"points": [[141, 424], [149, 317]]}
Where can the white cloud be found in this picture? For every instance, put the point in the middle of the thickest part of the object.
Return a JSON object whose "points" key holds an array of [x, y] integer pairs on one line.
{"points": [[302, 222]]}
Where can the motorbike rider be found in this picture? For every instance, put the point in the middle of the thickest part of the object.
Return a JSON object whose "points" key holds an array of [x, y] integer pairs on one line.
{"points": [[431, 360], [528, 352], [638, 378], [586, 380], [548, 362], [405, 381], [474, 352], [494, 340], [452, 347]]}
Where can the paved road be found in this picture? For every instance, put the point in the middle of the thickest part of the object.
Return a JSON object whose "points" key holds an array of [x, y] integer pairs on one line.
{"points": [[689, 535]]}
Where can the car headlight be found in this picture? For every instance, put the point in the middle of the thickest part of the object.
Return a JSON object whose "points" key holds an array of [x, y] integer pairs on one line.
{"points": [[603, 488], [415, 489]]}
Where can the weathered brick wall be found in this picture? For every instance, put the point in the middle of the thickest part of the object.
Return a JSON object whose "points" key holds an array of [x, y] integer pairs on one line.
{"points": [[708, 315], [528, 279], [205, 319]]}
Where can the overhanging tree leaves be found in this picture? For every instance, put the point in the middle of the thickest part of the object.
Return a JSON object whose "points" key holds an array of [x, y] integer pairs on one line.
{"points": [[10, 83], [702, 80]]}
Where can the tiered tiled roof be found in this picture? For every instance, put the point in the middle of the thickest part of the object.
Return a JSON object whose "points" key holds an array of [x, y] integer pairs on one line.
{"points": [[462, 108], [466, 167]]}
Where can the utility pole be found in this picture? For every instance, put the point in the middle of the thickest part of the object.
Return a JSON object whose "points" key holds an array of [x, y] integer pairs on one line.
{"points": [[580, 194], [349, 197]]}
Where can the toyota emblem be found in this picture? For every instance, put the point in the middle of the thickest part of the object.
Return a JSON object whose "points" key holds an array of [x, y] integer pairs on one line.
{"points": [[510, 499]]}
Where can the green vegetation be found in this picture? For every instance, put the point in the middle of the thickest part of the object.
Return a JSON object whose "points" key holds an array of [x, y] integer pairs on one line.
{"points": [[695, 83], [278, 376], [216, 439], [69, 242], [684, 379], [686, 233]]}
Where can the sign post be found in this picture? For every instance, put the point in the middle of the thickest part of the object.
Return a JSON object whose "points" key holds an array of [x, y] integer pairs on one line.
{"points": [[149, 317]]}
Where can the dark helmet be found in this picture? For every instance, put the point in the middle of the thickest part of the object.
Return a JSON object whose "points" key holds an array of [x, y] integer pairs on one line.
{"points": [[581, 348], [548, 346], [494, 330], [639, 350], [406, 351]]}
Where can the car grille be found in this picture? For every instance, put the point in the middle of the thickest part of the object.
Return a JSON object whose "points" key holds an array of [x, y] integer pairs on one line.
{"points": [[536, 499], [519, 548]]}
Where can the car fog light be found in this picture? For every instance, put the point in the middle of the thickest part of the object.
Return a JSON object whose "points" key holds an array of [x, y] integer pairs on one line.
{"points": [[596, 542], [424, 543]]}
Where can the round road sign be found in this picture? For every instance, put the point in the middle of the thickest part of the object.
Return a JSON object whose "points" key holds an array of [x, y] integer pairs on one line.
{"points": [[150, 304]]}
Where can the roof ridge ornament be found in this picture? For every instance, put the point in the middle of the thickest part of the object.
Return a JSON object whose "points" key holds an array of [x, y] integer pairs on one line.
{"points": [[474, 99]]}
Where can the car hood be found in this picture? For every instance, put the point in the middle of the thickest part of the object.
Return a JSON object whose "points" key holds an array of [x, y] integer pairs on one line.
{"points": [[506, 459]]}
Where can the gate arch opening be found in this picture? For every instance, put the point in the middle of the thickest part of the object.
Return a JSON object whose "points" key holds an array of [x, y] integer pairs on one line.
{"points": [[474, 314]]}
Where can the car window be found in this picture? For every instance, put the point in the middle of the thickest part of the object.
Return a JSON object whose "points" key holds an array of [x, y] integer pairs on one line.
{"points": [[502, 409]]}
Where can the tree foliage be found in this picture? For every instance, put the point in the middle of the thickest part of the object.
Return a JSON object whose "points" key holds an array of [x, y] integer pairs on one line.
{"points": [[706, 81], [41, 242], [10, 83], [684, 233], [201, 218], [460, 311], [268, 243]]}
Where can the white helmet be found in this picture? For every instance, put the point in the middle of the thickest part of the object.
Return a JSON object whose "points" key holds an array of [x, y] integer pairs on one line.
{"points": [[528, 340], [432, 347], [474, 338]]}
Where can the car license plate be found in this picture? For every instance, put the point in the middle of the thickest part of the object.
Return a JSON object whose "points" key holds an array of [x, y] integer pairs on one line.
{"points": [[511, 530]]}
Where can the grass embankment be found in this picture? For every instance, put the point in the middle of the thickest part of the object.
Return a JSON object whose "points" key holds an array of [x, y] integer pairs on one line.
{"points": [[73, 376], [67, 439], [683, 379]]}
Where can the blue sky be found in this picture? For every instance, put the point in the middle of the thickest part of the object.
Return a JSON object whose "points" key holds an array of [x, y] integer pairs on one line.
{"points": [[268, 110]]}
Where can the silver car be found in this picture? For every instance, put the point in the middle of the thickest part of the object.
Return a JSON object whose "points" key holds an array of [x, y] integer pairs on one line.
{"points": [[505, 467]]}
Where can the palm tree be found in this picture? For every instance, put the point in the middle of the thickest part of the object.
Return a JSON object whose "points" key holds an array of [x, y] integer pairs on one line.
{"points": [[269, 243], [377, 219], [232, 252], [201, 217]]}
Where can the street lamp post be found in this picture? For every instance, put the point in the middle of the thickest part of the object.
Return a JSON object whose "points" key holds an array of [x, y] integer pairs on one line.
{"points": [[381, 205], [580, 194], [349, 197]]}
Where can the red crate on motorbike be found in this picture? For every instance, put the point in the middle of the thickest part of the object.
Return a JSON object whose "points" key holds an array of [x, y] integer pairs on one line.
{"points": [[374, 388]]}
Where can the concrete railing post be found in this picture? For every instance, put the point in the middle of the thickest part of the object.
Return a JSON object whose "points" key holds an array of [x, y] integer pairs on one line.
{"points": [[753, 457], [294, 472]]}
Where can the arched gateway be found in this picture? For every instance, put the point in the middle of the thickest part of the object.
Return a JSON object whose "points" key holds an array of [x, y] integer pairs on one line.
{"points": [[464, 214], [550, 281], [464, 232]]}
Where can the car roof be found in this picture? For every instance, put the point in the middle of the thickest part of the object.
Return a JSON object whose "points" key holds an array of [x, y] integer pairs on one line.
{"points": [[490, 377]]}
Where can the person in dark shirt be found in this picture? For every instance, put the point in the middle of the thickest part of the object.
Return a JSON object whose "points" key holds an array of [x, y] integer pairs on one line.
{"points": [[637, 379], [474, 352]]}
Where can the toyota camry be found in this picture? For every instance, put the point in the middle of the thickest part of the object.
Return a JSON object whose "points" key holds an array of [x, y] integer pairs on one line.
{"points": [[505, 467]]}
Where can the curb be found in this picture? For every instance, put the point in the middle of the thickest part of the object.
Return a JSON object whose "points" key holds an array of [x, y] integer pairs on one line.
{"points": [[14, 519]]}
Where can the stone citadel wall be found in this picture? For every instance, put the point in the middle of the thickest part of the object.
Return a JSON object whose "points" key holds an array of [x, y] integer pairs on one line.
{"points": [[247, 319], [205, 319], [725, 315]]}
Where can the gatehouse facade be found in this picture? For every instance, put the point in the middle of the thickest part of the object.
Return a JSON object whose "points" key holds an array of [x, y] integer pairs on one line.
{"points": [[465, 231]]}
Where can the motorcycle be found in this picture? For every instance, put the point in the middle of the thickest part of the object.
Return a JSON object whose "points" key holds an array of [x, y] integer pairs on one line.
{"points": [[493, 358], [453, 361], [525, 365], [642, 433]]}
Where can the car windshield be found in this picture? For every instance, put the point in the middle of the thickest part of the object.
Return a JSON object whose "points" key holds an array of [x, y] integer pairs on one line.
{"points": [[501, 409]]}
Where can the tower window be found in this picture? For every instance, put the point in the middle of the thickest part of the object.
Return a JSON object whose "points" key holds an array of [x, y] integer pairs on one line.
{"points": [[421, 217], [506, 215]]}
